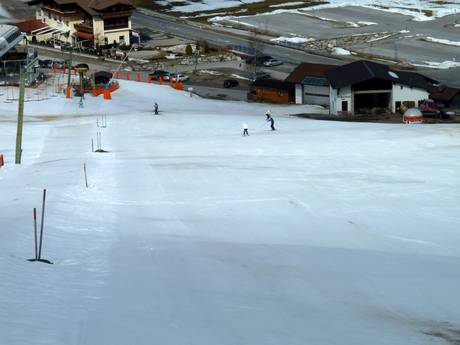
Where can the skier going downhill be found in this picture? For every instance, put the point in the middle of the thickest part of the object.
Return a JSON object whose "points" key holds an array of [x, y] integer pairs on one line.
{"points": [[155, 108], [245, 129]]}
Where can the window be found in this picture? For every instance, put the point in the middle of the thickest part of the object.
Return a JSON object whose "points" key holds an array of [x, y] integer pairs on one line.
{"points": [[121, 39], [344, 105]]}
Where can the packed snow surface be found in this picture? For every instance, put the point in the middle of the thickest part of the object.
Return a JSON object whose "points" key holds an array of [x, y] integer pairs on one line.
{"points": [[190, 233]]}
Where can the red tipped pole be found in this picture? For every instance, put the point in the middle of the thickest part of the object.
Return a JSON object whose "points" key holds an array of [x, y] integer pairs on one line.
{"points": [[41, 225], [35, 233]]}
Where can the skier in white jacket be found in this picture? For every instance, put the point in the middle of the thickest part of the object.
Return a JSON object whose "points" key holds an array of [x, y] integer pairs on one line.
{"points": [[245, 129]]}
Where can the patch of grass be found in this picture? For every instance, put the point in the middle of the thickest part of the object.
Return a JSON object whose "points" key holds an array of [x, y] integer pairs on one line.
{"points": [[101, 151]]}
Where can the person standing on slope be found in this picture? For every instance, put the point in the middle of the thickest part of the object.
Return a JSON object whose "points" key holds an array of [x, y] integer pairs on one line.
{"points": [[245, 130], [268, 114], [155, 108], [272, 122]]}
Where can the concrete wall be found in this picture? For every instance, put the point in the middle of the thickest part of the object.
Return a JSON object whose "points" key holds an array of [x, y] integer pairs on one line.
{"points": [[402, 93], [98, 30], [114, 35], [332, 101], [298, 94], [337, 96]]}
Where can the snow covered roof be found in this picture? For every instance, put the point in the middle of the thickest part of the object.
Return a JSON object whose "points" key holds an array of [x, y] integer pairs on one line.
{"points": [[363, 70]]}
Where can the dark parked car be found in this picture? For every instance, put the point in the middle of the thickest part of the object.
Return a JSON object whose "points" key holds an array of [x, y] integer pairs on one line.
{"points": [[45, 63], [82, 66], [159, 73], [229, 83]]}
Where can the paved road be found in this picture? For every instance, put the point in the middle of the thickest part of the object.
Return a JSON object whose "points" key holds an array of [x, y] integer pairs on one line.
{"points": [[182, 29], [185, 30]]}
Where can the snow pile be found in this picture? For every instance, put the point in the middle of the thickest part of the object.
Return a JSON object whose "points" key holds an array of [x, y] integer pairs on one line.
{"points": [[443, 41], [297, 3], [190, 233], [237, 76], [412, 8], [295, 40], [439, 65], [340, 51], [355, 25]]}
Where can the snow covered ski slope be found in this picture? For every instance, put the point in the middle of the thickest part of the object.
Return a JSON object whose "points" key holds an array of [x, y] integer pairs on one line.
{"points": [[189, 233]]}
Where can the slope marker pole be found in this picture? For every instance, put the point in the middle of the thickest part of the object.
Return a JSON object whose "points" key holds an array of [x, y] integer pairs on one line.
{"points": [[35, 233], [41, 225]]}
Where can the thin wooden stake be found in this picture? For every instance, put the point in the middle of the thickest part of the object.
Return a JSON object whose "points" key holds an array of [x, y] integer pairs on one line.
{"points": [[92, 145], [41, 225], [86, 177], [35, 233]]}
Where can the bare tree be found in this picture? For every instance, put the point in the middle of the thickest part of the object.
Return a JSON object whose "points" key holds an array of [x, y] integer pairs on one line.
{"points": [[255, 51]]}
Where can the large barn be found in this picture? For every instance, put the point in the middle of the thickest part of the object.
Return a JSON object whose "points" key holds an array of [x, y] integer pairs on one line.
{"points": [[365, 86]]}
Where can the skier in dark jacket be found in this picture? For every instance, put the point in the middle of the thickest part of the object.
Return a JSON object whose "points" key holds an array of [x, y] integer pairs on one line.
{"points": [[272, 122], [155, 107]]}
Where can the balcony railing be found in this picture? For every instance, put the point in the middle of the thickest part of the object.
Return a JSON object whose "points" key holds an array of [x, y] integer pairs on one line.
{"points": [[84, 27]]}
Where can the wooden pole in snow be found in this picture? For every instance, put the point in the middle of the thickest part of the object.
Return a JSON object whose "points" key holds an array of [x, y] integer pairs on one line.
{"points": [[35, 233], [41, 225], [86, 177]]}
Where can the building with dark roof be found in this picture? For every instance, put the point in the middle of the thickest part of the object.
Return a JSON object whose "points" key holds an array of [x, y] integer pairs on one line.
{"points": [[364, 86], [446, 96], [311, 84], [85, 22]]}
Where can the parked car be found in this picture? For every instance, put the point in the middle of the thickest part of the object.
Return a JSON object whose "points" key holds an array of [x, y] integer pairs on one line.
{"points": [[59, 63], [259, 59], [45, 63], [260, 75], [178, 77], [272, 62], [159, 73], [229, 83]]}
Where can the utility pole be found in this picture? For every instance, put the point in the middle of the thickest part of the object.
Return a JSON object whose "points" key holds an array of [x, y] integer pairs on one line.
{"points": [[22, 82], [69, 76]]}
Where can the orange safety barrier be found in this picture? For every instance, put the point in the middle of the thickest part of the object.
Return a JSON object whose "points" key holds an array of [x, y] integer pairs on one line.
{"points": [[2, 161], [127, 75], [149, 79], [179, 85], [107, 94], [95, 92], [138, 76], [117, 75], [68, 92], [160, 79]]}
